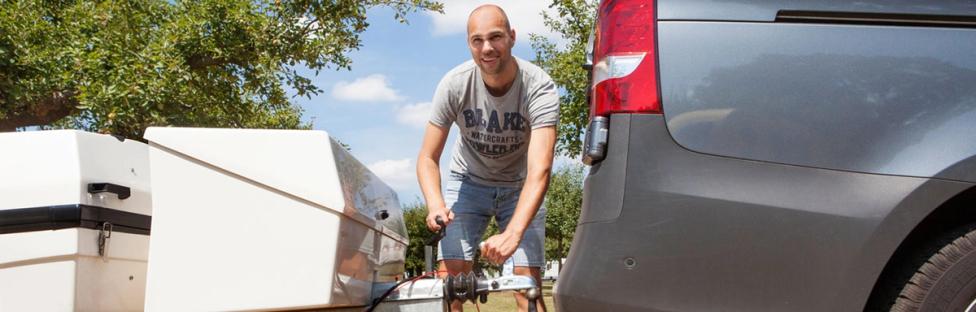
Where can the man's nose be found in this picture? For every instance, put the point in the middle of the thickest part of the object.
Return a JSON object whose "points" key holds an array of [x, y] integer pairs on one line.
{"points": [[487, 47]]}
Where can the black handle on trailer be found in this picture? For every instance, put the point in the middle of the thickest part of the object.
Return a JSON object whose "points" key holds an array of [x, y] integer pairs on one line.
{"points": [[121, 191]]}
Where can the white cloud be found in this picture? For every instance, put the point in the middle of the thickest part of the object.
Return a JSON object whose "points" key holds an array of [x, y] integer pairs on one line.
{"points": [[525, 17], [397, 173], [372, 88], [415, 115]]}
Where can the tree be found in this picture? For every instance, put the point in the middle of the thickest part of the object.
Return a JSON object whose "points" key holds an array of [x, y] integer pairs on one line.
{"points": [[414, 215], [574, 21], [121, 66], [563, 202]]}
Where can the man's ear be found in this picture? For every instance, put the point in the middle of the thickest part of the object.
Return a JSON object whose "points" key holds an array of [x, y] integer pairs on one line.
{"points": [[511, 33]]}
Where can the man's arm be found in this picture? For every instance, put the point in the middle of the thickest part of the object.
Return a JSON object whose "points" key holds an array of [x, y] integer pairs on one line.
{"points": [[429, 175], [541, 148]]}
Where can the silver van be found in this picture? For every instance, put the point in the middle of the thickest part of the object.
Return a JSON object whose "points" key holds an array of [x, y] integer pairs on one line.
{"points": [[779, 155]]}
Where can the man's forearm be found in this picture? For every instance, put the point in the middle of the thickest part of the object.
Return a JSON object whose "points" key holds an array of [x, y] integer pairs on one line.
{"points": [[530, 199], [539, 168], [428, 174]]}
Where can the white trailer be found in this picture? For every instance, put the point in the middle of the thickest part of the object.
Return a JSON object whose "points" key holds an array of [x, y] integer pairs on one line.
{"points": [[74, 222], [240, 219], [266, 220]]}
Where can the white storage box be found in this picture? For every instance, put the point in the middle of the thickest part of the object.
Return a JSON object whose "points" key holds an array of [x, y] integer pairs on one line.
{"points": [[266, 220], [74, 222]]}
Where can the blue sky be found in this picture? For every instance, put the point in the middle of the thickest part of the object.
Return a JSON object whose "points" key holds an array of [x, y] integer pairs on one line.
{"points": [[380, 107]]}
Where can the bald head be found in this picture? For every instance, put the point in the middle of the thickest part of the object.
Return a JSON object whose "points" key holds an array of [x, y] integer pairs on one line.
{"points": [[488, 13], [490, 39]]}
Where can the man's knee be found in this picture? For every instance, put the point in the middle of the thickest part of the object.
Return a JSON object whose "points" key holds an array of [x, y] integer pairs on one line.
{"points": [[454, 267], [527, 271], [520, 298]]}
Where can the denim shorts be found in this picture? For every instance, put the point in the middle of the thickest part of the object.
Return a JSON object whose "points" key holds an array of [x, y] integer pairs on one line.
{"points": [[473, 206]]}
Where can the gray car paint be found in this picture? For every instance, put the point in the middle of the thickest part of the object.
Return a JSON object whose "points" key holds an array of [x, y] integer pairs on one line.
{"points": [[765, 10], [874, 99], [710, 233], [833, 131]]}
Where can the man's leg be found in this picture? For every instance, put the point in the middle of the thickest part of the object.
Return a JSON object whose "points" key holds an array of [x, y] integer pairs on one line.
{"points": [[530, 255], [453, 267], [523, 302], [471, 206]]}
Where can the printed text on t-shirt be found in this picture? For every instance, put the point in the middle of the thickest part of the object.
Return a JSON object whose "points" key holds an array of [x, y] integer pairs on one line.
{"points": [[482, 138]]}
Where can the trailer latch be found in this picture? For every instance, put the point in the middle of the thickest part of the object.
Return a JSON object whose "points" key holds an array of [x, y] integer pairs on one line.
{"points": [[104, 234]]}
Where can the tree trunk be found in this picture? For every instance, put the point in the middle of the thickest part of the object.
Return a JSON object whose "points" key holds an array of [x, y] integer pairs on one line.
{"points": [[44, 112], [559, 253]]}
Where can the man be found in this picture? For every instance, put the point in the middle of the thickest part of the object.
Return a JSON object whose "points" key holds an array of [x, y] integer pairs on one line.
{"points": [[506, 109]]}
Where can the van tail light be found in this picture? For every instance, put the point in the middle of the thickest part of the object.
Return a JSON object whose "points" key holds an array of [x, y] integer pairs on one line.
{"points": [[622, 57], [625, 59]]}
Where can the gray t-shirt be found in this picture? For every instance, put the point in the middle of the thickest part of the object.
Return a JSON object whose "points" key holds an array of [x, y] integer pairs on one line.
{"points": [[492, 146]]}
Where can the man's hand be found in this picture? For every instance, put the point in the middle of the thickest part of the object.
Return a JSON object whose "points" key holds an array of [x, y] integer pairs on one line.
{"points": [[500, 247], [446, 215]]}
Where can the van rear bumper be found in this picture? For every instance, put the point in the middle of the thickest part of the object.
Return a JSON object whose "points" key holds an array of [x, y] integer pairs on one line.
{"points": [[663, 228]]}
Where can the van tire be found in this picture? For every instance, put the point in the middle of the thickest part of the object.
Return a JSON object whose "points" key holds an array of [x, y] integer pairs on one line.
{"points": [[947, 280]]}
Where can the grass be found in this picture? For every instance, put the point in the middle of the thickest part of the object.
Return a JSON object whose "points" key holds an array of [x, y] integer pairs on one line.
{"points": [[505, 302]]}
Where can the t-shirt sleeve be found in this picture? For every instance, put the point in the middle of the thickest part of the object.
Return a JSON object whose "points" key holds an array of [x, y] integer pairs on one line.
{"points": [[444, 104], [544, 104]]}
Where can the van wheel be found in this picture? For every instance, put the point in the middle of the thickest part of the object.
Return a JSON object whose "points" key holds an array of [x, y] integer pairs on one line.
{"points": [[946, 281]]}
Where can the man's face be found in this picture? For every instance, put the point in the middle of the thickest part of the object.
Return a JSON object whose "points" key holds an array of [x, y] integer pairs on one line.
{"points": [[490, 41]]}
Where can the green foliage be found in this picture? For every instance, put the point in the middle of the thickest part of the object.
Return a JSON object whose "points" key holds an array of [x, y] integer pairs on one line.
{"points": [[574, 21], [563, 202], [414, 216], [486, 266], [121, 66]]}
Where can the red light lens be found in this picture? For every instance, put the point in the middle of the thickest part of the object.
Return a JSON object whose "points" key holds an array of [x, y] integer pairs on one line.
{"points": [[625, 31], [625, 26], [635, 93]]}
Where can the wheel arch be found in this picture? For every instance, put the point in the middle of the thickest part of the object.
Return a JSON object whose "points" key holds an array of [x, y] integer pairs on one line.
{"points": [[951, 214]]}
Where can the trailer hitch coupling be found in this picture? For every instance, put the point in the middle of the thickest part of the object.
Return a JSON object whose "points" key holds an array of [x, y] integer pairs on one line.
{"points": [[469, 287]]}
